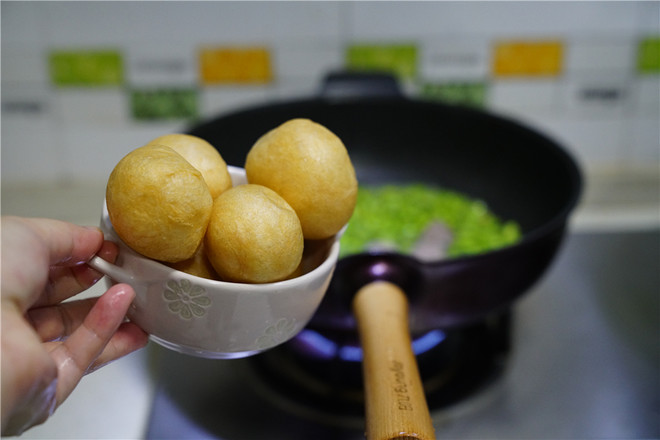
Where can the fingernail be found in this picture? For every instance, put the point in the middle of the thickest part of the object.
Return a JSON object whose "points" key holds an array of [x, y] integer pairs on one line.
{"points": [[123, 290]]}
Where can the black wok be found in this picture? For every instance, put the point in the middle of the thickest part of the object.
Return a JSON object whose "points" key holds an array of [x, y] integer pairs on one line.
{"points": [[521, 174]]}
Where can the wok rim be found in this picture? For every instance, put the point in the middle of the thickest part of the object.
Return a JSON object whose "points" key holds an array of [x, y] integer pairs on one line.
{"points": [[570, 164]]}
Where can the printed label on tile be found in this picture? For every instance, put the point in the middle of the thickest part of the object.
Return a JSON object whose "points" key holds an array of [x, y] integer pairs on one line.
{"points": [[601, 95], [528, 58], [164, 104], [454, 59], [23, 107], [466, 93], [222, 65], [162, 66], [400, 59], [89, 68], [648, 55]]}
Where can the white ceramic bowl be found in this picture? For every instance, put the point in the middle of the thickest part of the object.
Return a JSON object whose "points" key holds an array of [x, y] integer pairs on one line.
{"points": [[216, 319]]}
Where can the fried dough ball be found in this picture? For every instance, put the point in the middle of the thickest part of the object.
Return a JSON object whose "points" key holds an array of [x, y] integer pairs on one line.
{"points": [[203, 156], [253, 236], [309, 167], [158, 203], [199, 265]]}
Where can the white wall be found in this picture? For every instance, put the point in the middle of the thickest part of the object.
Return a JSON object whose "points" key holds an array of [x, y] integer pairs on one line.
{"points": [[599, 103]]}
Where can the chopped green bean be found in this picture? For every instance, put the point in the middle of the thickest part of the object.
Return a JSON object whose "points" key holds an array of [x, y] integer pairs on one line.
{"points": [[397, 215]]}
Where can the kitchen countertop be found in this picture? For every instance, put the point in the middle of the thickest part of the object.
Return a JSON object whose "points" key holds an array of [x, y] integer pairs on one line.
{"points": [[611, 200], [115, 401]]}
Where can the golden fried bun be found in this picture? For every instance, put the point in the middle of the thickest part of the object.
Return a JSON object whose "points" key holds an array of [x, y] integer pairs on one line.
{"points": [[309, 167], [253, 236], [203, 156], [199, 265], [158, 203]]}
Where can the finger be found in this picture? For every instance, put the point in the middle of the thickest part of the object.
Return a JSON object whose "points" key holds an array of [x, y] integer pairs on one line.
{"points": [[34, 246], [67, 243], [25, 274], [74, 356], [67, 281], [28, 374], [53, 323], [128, 338]]}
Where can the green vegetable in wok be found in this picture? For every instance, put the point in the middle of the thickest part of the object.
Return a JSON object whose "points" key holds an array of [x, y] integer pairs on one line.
{"points": [[395, 216]]}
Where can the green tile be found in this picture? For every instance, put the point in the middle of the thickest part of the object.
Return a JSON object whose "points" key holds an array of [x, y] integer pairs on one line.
{"points": [[86, 68], [164, 104], [400, 59], [467, 93], [648, 55]]}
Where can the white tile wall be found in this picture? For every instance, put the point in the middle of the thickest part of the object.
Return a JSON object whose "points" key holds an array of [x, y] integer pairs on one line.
{"points": [[542, 95], [645, 92], [640, 133], [65, 134], [32, 148], [220, 99], [600, 53]]}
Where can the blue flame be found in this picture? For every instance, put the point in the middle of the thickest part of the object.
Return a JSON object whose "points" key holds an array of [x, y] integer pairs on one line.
{"points": [[321, 347]]}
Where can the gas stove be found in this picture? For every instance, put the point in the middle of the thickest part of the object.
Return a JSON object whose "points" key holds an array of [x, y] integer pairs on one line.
{"points": [[577, 357]]}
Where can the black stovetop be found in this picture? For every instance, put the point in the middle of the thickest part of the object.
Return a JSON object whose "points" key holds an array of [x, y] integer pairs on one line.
{"points": [[584, 363]]}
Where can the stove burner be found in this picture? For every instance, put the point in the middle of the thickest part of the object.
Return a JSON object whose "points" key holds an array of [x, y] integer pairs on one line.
{"points": [[319, 376], [293, 392], [320, 347]]}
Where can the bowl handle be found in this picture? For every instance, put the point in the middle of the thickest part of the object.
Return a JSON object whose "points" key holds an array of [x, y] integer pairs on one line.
{"points": [[113, 271]]}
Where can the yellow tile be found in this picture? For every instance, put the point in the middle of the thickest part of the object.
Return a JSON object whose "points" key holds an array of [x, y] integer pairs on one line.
{"points": [[220, 65], [528, 58]]}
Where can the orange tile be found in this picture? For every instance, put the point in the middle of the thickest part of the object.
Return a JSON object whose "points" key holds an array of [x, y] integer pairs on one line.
{"points": [[235, 65], [528, 58]]}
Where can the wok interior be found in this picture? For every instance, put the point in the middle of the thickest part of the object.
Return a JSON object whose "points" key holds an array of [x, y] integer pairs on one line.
{"points": [[520, 174]]}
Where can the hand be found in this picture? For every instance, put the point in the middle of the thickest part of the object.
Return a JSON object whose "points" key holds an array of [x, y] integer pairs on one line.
{"points": [[47, 345]]}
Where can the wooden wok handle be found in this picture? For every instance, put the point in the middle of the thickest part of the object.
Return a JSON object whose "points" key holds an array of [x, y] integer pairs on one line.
{"points": [[395, 403]]}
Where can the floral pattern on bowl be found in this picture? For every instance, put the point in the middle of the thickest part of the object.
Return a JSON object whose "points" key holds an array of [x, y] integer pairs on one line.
{"points": [[277, 333], [186, 299]]}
